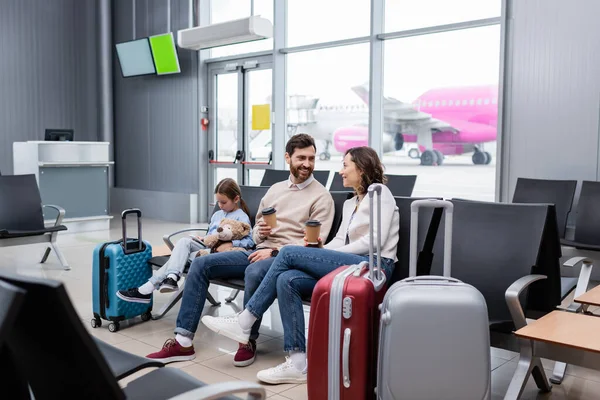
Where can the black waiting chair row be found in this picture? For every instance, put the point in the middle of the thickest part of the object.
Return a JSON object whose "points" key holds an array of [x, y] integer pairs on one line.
{"points": [[399, 185], [66, 362]]}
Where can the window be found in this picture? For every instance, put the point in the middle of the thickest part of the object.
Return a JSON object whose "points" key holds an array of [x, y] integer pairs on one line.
{"points": [[403, 15], [227, 10], [420, 74], [318, 21], [327, 98]]}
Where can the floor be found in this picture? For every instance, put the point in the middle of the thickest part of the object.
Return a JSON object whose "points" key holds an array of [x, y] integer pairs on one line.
{"points": [[215, 353]]}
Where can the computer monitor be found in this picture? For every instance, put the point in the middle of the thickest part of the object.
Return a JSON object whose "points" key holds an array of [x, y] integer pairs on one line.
{"points": [[59, 135]]}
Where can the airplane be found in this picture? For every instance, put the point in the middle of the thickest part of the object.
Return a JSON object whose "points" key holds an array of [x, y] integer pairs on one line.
{"points": [[442, 121]]}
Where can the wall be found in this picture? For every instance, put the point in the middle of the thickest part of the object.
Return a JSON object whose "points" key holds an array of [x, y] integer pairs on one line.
{"points": [[48, 71], [155, 117], [552, 98]]}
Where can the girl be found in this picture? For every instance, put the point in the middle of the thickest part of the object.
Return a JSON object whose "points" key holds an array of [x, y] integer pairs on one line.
{"points": [[297, 269], [228, 195]]}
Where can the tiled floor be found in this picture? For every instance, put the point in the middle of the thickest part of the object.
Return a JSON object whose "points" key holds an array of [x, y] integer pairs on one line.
{"points": [[213, 362]]}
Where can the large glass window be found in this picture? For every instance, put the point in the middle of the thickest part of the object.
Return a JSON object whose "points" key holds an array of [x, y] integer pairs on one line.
{"points": [[410, 14], [325, 93], [227, 10], [318, 21], [441, 111]]}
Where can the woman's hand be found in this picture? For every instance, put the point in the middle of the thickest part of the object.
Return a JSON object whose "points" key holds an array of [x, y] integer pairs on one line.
{"points": [[319, 243]]}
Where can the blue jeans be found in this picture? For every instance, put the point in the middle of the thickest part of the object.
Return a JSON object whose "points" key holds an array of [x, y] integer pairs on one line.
{"points": [[227, 265], [294, 266]]}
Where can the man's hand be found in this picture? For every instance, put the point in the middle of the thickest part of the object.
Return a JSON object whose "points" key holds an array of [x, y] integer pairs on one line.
{"points": [[264, 230], [260, 255]]}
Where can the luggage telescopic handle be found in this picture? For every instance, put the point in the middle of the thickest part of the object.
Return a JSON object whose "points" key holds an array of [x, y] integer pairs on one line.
{"points": [[431, 278], [414, 221], [124, 214], [376, 187]]}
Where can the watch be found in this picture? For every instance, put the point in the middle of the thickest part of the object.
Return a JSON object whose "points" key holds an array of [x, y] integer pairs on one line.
{"points": [[274, 252]]}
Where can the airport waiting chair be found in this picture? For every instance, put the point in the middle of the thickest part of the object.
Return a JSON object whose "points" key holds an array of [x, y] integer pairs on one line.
{"points": [[65, 362], [496, 247], [586, 237], [273, 176], [252, 195], [21, 217], [557, 192], [399, 185]]}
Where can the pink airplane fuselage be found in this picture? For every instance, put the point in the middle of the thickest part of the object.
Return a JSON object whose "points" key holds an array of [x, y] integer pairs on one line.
{"points": [[472, 111]]}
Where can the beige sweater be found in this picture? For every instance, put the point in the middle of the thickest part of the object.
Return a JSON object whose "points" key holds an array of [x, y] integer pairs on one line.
{"points": [[295, 207]]}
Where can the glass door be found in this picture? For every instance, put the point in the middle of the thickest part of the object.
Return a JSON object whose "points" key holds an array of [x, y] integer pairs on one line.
{"points": [[240, 134]]}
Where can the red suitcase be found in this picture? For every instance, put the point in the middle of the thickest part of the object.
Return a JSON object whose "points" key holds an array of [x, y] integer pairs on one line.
{"points": [[343, 326]]}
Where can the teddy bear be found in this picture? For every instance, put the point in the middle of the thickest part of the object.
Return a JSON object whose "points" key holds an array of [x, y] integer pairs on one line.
{"points": [[228, 230]]}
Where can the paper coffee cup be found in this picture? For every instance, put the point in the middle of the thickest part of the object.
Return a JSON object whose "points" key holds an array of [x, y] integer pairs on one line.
{"points": [[313, 229], [269, 215]]}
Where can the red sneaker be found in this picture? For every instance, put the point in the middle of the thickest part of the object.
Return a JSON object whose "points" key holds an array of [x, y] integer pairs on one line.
{"points": [[172, 351], [246, 354]]}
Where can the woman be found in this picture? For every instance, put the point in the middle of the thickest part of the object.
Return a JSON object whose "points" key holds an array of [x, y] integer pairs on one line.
{"points": [[361, 168]]}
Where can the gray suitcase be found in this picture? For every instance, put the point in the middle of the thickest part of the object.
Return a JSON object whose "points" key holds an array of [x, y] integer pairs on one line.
{"points": [[434, 334]]}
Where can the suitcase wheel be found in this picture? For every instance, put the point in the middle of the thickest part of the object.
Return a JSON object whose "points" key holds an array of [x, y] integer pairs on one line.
{"points": [[96, 322], [147, 316], [113, 326]]}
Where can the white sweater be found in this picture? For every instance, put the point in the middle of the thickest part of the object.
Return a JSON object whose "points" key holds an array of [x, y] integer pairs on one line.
{"points": [[359, 231]]}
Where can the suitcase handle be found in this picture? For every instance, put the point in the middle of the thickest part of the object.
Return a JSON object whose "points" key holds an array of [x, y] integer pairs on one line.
{"points": [[124, 214], [414, 224], [376, 275], [346, 358], [431, 278]]}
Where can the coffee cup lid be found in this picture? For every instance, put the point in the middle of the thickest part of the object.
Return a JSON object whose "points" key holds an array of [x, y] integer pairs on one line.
{"points": [[268, 211], [313, 222]]}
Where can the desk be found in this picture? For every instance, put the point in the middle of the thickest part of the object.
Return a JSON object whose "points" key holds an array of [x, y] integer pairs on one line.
{"points": [[561, 336], [590, 298], [73, 175]]}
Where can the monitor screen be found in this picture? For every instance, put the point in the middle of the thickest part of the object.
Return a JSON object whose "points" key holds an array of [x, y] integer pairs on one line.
{"points": [[165, 54], [135, 58], [59, 135]]}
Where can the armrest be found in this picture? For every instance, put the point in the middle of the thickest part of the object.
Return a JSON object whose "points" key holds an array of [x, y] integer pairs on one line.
{"points": [[512, 298], [61, 213], [218, 390], [167, 238], [584, 278]]}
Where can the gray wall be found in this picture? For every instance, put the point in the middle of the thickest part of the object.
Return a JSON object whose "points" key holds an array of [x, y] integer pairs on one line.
{"points": [[48, 71], [155, 117], [552, 100]]}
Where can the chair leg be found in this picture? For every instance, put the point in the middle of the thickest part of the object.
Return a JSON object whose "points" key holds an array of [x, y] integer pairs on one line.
{"points": [[528, 365], [212, 300], [46, 254], [175, 297], [234, 293], [559, 372], [61, 257]]}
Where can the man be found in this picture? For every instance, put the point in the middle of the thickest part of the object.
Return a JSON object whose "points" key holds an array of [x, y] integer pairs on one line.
{"points": [[296, 200]]}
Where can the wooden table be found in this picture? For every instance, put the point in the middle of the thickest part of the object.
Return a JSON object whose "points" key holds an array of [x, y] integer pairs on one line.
{"points": [[561, 336], [161, 250], [590, 298]]}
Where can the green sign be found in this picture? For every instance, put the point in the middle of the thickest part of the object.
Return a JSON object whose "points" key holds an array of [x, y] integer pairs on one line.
{"points": [[165, 54]]}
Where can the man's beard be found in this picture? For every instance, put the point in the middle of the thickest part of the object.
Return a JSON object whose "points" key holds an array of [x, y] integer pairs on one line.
{"points": [[295, 171]]}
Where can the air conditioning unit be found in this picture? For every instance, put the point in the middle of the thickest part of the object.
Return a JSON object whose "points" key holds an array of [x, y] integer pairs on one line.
{"points": [[225, 33]]}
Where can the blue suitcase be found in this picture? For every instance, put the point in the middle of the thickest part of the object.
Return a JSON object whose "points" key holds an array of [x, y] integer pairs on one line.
{"points": [[118, 267]]}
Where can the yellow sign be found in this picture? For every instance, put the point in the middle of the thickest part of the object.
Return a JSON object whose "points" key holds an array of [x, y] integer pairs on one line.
{"points": [[261, 117]]}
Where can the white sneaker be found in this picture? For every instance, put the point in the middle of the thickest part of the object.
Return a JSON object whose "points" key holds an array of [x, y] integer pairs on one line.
{"points": [[228, 327], [283, 373]]}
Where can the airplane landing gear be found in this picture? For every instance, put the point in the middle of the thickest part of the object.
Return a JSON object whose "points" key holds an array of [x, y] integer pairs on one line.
{"points": [[481, 157], [432, 157], [398, 141]]}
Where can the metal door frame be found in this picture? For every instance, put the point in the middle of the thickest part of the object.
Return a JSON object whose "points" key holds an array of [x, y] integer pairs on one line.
{"points": [[241, 67]]}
